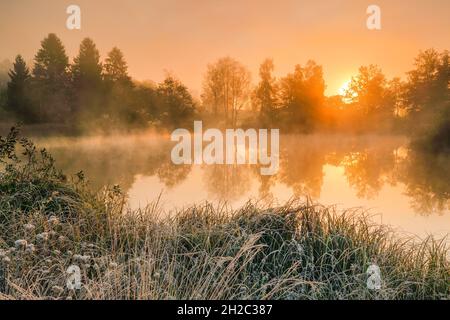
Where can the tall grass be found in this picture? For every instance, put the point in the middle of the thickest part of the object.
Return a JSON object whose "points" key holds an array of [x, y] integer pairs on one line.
{"points": [[49, 222]]}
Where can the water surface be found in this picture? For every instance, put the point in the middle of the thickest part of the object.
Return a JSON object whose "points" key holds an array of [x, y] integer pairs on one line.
{"points": [[403, 188]]}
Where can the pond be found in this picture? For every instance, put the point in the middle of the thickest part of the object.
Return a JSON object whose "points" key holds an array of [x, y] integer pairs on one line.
{"points": [[381, 174]]}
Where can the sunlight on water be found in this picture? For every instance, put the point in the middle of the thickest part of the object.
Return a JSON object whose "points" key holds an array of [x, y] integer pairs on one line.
{"points": [[406, 190]]}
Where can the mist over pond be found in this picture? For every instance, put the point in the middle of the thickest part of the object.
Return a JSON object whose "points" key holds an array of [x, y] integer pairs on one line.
{"points": [[403, 188]]}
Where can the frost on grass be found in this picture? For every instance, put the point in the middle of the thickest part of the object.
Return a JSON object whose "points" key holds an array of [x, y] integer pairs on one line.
{"points": [[297, 251]]}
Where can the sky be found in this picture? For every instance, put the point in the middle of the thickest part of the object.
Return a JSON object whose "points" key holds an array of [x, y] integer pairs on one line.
{"points": [[183, 36]]}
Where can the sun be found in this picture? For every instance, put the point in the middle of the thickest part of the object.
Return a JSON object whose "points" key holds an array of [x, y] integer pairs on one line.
{"points": [[343, 89]]}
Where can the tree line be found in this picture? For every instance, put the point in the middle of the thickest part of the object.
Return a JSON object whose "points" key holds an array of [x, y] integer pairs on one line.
{"points": [[89, 92], [297, 101]]}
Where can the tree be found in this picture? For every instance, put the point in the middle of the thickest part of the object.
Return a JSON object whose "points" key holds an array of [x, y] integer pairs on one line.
{"points": [[375, 99], [51, 80], [116, 68], [3, 100], [5, 66], [177, 106], [427, 89], [442, 86], [226, 89], [87, 68], [119, 89], [87, 78], [144, 106], [427, 100], [395, 95], [367, 89], [18, 101], [51, 61], [302, 96], [266, 93]]}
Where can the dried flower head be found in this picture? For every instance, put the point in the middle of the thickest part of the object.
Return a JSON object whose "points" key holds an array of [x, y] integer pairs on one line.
{"points": [[6, 259], [30, 248], [42, 236], [77, 257], [21, 244], [53, 220], [29, 227]]}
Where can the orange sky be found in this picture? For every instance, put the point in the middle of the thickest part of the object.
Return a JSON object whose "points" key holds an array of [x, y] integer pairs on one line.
{"points": [[183, 36]]}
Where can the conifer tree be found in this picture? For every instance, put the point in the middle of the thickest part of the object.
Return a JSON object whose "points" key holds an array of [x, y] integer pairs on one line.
{"points": [[87, 80], [51, 80], [87, 68], [116, 68], [18, 102]]}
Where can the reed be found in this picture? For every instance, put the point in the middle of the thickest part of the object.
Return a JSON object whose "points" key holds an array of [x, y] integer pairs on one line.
{"points": [[49, 222]]}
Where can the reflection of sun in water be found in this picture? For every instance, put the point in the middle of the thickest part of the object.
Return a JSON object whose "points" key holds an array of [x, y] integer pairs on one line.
{"points": [[342, 90]]}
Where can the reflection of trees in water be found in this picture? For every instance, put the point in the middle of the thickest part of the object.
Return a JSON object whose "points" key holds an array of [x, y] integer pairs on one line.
{"points": [[426, 177], [301, 168], [107, 163], [227, 182], [265, 183], [304, 157], [368, 165], [171, 174], [369, 170]]}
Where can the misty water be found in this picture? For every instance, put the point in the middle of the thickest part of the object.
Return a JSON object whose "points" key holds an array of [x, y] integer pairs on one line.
{"points": [[408, 190]]}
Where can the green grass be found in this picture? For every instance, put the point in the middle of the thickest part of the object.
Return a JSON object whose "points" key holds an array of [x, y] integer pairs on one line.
{"points": [[298, 251]]}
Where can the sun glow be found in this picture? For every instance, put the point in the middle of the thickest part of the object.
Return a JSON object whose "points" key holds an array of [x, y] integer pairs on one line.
{"points": [[343, 89]]}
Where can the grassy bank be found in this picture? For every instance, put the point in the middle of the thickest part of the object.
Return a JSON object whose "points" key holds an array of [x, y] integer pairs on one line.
{"points": [[49, 222]]}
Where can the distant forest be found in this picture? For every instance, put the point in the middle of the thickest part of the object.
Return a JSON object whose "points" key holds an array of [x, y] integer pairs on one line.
{"points": [[89, 94]]}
